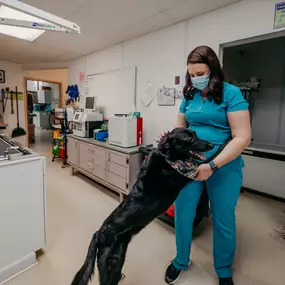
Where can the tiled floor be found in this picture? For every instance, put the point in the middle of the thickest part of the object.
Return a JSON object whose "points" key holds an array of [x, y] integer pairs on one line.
{"points": [[76, 207]]}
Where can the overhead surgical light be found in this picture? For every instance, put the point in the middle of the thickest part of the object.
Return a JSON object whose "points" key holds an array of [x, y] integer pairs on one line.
{"points": [[45, 21]]}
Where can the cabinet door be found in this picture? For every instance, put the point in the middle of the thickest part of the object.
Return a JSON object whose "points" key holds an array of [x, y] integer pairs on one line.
{"points": [[73, 151], [84, 156]]}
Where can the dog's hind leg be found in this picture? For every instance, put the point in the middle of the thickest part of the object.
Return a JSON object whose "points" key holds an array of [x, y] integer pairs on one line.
{"points": [[110, 262]]}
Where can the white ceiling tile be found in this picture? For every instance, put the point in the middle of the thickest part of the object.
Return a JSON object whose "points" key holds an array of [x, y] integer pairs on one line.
{"points": [[109, 15], [67, 56], [141, 28], [37, 50], [8, 58], [81, 44], [168, 4], [61, 8], [193, 8]]}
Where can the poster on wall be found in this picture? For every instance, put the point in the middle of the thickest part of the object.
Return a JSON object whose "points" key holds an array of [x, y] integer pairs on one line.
{"points": [[279, 17], [2, 76], [166, 96], [82, 77]]}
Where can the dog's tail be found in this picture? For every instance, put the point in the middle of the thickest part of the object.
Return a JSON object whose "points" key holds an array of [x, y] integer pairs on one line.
{"points": [[84, 275]]}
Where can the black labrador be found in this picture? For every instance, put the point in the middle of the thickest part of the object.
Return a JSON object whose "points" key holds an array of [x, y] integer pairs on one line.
{"points": [[161, 178]]}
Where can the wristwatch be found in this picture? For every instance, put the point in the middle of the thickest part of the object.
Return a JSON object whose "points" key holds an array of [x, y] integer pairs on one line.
{"points": [[213, 166]]}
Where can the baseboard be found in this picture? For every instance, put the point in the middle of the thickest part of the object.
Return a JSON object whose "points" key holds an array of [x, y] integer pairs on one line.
{"points": [[263, 194], [16, 268]]}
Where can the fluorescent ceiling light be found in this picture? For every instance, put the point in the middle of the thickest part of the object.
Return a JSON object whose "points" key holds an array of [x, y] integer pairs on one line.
{"points": [[18, 32]]}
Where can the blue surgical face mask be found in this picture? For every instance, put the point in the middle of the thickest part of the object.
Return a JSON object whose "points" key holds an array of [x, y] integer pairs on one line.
{"points": [[200, 82]]}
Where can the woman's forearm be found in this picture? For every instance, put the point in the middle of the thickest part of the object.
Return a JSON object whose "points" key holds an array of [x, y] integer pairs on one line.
{"points": [[181, 121], [232, 150]]}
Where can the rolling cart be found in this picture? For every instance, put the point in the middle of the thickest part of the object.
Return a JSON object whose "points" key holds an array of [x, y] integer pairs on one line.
{"points": [[203, 209], [60, 129]]}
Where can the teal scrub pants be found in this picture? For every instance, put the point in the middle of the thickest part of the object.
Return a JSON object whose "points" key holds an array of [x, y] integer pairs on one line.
{"points": [[223, 189]]}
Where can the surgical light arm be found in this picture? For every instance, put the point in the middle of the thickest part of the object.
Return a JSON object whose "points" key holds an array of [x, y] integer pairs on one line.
{"points": [[55, 23]]}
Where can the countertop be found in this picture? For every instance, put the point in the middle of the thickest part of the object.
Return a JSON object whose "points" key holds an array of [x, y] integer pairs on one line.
{"points": [[280, 150], [129, 150]]}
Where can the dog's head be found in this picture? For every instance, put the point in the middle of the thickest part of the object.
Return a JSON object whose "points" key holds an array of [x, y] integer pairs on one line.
{"points": [[183, 150]]}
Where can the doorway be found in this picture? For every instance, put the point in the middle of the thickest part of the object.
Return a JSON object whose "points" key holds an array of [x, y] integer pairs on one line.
{"points": [[42, 97]]}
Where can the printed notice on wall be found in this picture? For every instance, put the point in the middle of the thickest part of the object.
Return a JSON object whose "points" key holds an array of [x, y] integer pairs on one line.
{"points": [[279, 18]]}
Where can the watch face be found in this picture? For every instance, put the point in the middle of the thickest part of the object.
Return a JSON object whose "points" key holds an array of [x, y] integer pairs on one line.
{"points": [[213, 166]]}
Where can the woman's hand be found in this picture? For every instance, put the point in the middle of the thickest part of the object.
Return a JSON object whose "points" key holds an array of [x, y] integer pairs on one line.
{"points": [[204, 172]]}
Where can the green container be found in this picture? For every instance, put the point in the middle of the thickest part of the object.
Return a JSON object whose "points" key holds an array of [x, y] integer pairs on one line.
{"points": [[56, 150]]}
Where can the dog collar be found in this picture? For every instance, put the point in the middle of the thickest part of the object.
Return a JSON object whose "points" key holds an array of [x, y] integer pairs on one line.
{"points": [[184, 167]]}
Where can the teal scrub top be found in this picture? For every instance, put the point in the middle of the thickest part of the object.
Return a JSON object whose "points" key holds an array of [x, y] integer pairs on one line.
{"points": [[209, 120]]}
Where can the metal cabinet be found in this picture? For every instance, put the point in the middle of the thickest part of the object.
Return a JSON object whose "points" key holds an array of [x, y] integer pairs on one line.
{"points": [[114, 169]]}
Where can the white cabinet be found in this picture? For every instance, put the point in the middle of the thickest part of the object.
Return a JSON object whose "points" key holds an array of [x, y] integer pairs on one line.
{"points": [[73, 151], [44, 97], [113, 168], [42, 119], [22, 215]]}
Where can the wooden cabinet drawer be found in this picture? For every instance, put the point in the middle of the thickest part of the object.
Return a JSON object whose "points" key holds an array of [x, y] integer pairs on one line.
{"points": [[90, 148], [90, 167], [117, 169], [100, 162], [100, 172], [100, 152], [91, 159], [117, 181], [118, 158]]}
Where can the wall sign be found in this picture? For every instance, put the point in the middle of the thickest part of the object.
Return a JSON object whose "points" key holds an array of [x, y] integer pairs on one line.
{"points": [[82, 77], [2, 76], [279, 17]]}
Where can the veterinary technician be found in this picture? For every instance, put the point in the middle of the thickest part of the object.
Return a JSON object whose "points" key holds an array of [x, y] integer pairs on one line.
{"points": [[217, 112]]}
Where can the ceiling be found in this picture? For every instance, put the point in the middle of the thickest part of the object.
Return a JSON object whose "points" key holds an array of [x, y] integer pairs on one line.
{"points": [[103, 23]]}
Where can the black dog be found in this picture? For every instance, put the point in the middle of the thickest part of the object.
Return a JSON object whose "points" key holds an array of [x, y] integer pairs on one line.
{"points": [[162, 176]]}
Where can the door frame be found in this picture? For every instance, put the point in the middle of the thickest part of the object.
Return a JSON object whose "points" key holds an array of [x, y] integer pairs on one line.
{"points": [[25, 95]]}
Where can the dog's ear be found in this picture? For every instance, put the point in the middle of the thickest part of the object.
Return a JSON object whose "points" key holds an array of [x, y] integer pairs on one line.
{"points": [[166, 145]]}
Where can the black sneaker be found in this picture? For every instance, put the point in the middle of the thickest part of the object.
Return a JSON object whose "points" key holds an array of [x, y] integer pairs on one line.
{"points": [[226, 281], [172, 274]]}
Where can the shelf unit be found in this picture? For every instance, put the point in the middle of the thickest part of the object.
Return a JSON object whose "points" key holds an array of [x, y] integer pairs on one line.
{"points": [[60, 142]]}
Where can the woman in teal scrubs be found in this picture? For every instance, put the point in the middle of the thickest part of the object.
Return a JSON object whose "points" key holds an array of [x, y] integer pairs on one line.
{"points": [[217, 112]]}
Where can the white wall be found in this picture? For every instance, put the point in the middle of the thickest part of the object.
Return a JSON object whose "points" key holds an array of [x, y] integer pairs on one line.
{"points": [[74, 69], [14, 76], [161, 55]]}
